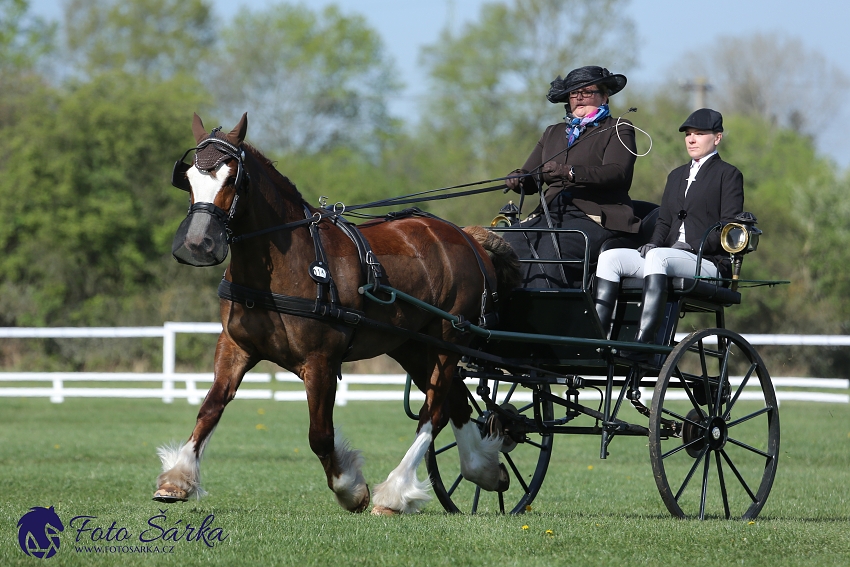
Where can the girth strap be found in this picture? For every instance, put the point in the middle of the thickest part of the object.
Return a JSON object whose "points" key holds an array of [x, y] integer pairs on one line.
{"points": [[287, 304]]}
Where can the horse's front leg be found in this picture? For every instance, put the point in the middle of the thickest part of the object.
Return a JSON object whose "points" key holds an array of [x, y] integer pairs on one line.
{"points": [[181, 465], [342, 464]]}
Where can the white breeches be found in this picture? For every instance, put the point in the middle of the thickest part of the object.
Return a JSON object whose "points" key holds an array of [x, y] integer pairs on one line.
{"points": [[627, 263]]}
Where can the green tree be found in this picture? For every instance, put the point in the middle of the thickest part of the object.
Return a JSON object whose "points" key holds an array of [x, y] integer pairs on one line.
{"points": [[23, 38], [310, 80], [87, 212], [146, 37], [489, 81]]}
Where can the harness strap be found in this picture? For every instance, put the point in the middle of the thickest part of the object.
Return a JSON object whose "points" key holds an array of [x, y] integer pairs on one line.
{"points": [[253, 298], [287, 304]]}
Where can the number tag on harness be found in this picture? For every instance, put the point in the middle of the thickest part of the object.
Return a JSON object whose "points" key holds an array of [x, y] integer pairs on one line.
{"points": [[320, 272]]}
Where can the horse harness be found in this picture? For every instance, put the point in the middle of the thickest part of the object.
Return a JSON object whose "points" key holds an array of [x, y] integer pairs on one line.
{"points": [[212, 151]]}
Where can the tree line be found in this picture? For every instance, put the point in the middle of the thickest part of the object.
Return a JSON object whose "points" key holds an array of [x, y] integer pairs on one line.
{"points": [[96, 107]]}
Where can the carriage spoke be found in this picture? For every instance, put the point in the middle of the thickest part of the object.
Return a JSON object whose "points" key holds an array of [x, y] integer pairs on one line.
{"points": [[510, 394], [533, 444], [678, 448], [704, 493], [722, 485], [748, 448], [740, 390], [690, 473], [526, 407], [495, 397], [455, 484], [451, 445], [475, 500], [516, 472], [721, 379], [501, 502], [683, 418], [738, 475], [690, 394], [741, 420]]}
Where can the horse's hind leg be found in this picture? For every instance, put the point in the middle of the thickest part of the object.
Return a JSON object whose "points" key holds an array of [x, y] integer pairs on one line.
{"points": [[403, 491], [342, 464], [181, 472]]}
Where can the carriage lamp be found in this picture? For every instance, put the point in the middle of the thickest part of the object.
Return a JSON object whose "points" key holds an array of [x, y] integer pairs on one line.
{"points": [[508, 216], [739, 238]]}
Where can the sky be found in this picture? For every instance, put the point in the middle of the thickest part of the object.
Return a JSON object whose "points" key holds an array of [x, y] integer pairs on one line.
{"points": [[666, 30]]}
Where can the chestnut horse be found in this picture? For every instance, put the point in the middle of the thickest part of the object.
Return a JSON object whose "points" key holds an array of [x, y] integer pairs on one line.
{"points": [[282, 248]]}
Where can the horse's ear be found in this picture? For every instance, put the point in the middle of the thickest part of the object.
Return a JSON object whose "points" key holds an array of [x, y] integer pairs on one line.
{"points": [[198, 129], [237, 135]]}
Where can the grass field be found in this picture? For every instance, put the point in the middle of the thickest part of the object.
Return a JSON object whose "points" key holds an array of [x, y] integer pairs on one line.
{"points": [[268, 494]]}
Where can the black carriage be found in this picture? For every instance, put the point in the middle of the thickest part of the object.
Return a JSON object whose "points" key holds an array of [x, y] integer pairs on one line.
{"points": [[712, 422]]}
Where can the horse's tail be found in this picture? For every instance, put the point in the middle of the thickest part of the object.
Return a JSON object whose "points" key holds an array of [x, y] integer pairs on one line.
{"points": [[502, 255]]}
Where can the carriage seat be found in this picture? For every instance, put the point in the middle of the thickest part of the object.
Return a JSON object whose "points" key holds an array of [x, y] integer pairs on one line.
{"points": [[707, 290]]}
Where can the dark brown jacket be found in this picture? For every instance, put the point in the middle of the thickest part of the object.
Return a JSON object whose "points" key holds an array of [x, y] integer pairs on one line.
{"points": [[603, 167]]}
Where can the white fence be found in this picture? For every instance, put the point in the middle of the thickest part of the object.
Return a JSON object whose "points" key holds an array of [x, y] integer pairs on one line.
{"points": [[284, 386]]}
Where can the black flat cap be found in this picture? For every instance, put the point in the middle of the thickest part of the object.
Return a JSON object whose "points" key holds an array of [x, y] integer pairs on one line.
{"points": [[703, 119], [585, 77]]}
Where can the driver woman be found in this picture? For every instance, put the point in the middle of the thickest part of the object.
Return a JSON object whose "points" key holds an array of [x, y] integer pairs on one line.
{"points": [[587, 163]]}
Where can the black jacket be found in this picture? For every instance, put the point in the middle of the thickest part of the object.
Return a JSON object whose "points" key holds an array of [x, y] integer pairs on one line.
{"points": [[717, 194]]}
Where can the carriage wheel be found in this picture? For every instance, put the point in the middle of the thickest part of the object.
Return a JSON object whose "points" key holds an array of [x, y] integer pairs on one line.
{"points": [[525, 455], [714, 428]]}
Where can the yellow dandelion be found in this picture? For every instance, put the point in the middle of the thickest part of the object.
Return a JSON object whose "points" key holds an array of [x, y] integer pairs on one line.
{"points": [[590, 467], [261, 411], [261, 427], [750, 523], [550, 532], [528, 507], [525, 527], [296, 449], [56, 446]]}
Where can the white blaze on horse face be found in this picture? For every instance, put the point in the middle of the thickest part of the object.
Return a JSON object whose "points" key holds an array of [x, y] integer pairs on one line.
{"points": [[479, 457], [207, 184]]}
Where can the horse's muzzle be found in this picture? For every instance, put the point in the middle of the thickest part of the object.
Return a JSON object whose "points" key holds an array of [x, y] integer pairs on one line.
{"points": [[201, 239]]}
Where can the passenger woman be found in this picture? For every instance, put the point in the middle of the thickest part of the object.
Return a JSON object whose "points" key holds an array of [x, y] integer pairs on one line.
{"points": [[697, 195], [586, 162]]}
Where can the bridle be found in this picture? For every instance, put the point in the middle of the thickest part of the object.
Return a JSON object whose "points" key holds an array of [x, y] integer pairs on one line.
{"points": [[181, 181]]}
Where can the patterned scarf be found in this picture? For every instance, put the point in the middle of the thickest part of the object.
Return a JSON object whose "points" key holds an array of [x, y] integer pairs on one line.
{"points": [[575, 125]]}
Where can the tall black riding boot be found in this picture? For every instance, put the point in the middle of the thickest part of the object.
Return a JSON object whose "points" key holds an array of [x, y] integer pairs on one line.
{"points": [[654, 303], [606, 299]]}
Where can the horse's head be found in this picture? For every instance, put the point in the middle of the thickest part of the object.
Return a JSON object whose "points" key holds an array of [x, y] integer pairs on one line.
{"points": [[215, 179]]}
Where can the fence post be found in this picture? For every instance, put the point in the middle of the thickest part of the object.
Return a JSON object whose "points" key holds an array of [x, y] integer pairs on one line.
{"points": [[57, 396], [168, 339], [342, 392]]}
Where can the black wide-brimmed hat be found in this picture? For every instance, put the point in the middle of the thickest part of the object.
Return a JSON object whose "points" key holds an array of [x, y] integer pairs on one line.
{"points": [[584, 77], [703, 119]]}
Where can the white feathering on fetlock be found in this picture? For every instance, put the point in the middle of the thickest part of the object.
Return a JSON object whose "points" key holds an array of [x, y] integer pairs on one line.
{"points": [[181, 468], [479, 457], [402, 491], [350, 486]]}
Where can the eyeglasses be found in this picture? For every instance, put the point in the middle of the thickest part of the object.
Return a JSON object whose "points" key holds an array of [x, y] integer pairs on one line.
{"points": [[584, 94]]}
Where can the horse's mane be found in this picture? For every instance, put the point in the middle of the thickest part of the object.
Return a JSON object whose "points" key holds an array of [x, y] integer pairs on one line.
{"points": [[277, 177]]}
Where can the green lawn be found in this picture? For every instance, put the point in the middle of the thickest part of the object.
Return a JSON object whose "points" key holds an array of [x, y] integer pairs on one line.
{"points": [[269, 497]]}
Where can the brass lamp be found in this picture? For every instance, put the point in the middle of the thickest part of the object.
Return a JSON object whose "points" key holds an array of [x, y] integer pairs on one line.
{"points": [[740, 238]]}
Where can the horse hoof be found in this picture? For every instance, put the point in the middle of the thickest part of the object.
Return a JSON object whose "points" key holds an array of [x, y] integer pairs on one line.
{"points": [[364, 503], [168, 493], [383, 511], [504, 479]]}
